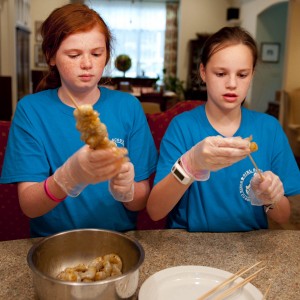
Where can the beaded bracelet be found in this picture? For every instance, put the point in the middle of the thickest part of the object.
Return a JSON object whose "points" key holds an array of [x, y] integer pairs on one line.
{"points": [[50, 195]]}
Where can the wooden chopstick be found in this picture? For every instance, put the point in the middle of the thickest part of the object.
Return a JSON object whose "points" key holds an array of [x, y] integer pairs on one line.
{"points": [[227, 281], [237, 286], [256, 167]]}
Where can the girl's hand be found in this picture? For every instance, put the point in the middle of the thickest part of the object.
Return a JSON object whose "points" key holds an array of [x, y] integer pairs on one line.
{"points": [[215, 153], [269, 190], [87, 166], [121, 186]]}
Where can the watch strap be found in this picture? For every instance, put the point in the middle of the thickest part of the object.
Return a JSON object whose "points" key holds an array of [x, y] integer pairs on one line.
{"points": [[180, 174]]}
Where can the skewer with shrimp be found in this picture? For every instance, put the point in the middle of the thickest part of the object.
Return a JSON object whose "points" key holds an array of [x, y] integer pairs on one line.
{"points": [[93, 131], [253, 148]]}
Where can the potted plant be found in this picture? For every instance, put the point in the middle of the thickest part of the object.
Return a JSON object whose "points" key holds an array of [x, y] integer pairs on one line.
{"points": [[173, 83], [123, 63]]}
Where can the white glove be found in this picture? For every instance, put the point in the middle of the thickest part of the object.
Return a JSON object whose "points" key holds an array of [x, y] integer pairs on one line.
{"points": [[121, 186], [268, 190], [87, 166], [212, 154]]}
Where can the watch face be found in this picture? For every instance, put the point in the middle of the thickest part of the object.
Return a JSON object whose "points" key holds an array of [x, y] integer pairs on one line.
{"points": [[178, 174]]}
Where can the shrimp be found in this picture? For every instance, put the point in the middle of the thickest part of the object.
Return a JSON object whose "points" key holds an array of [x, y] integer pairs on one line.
{"points": [[69, 274], [97, 263], [114, 259], [101, 275], [99, 268], [253, 146], [93, 131], [88, 275]]}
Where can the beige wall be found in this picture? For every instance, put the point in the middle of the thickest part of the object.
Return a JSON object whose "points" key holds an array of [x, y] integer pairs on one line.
{"points": [[39, 12], [292, 60], [250, 9], [197, 16], [290, 105]]}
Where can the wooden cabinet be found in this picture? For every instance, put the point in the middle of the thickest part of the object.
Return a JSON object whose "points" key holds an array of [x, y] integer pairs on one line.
{"points": [[194, 88], [273, 109]]}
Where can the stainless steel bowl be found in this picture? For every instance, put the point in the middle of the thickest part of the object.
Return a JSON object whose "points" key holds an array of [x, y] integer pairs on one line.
{"points": [[53, 254]]}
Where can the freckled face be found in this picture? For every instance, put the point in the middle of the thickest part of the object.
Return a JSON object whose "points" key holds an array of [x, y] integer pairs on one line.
{"points": [[228, 75], [81, 59]]}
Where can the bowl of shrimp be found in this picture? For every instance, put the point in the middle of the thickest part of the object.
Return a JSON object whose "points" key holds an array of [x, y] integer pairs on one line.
{"points": [[86, 264]]}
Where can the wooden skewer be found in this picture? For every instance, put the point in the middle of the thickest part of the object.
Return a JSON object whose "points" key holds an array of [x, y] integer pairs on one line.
{"points": [[222, 284], [256, 167], [237, 286], [72, 99], [267, 292], [227, 281]]}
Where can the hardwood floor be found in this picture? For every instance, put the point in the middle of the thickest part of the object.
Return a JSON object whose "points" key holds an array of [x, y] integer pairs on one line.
{"points": [[294, 222]]}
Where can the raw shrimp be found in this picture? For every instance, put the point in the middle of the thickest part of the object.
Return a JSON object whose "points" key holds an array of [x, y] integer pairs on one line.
{"points": [[99, 268], [114, 260]]}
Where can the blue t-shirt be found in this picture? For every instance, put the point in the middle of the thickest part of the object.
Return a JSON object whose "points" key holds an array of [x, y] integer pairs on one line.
{"points": [[43, 136], [222, 203]]}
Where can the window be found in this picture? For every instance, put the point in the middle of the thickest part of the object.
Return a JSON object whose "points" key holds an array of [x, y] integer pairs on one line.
{"points": [[138, 29]]}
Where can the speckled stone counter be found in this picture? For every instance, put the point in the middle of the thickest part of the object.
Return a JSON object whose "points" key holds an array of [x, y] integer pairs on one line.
{"points": [[168, 248]]}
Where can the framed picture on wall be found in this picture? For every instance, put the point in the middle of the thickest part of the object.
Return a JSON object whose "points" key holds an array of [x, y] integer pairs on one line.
{"points": [[37, 31], [39, 58], [270, 52]]}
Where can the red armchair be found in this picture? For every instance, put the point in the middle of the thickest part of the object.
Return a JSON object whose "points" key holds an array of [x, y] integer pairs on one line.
{"points": [[158, 124], [13, 223]]}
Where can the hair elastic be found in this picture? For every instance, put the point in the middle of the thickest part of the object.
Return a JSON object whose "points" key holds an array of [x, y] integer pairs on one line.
{"points": [[50, 195]]}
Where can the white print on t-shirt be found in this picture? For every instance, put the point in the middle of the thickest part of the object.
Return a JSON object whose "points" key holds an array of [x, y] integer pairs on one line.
{"points": [[245, 183], [119, 142]]}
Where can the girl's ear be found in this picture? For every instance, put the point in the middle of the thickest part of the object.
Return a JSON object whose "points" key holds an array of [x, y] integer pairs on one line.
{"points": [[202, 72], [52, 62]]}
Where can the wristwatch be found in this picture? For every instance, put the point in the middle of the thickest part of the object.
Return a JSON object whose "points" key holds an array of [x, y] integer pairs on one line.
{"points": [[180, 174]]}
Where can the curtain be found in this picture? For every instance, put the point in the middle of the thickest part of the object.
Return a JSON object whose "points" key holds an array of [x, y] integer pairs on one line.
{"points": [[171, 37]]}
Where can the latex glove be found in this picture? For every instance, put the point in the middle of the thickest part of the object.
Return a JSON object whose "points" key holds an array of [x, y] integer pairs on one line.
{"points": [[87, 166], [268, 190], [212, 154], [121, 186]]}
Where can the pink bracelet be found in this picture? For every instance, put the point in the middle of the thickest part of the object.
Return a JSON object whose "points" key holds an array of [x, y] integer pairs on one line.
{"points": [[48, 193], [202, 175]]}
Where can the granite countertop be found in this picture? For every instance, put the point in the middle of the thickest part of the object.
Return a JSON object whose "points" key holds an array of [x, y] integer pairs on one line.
{"points": [[280, 249]]}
